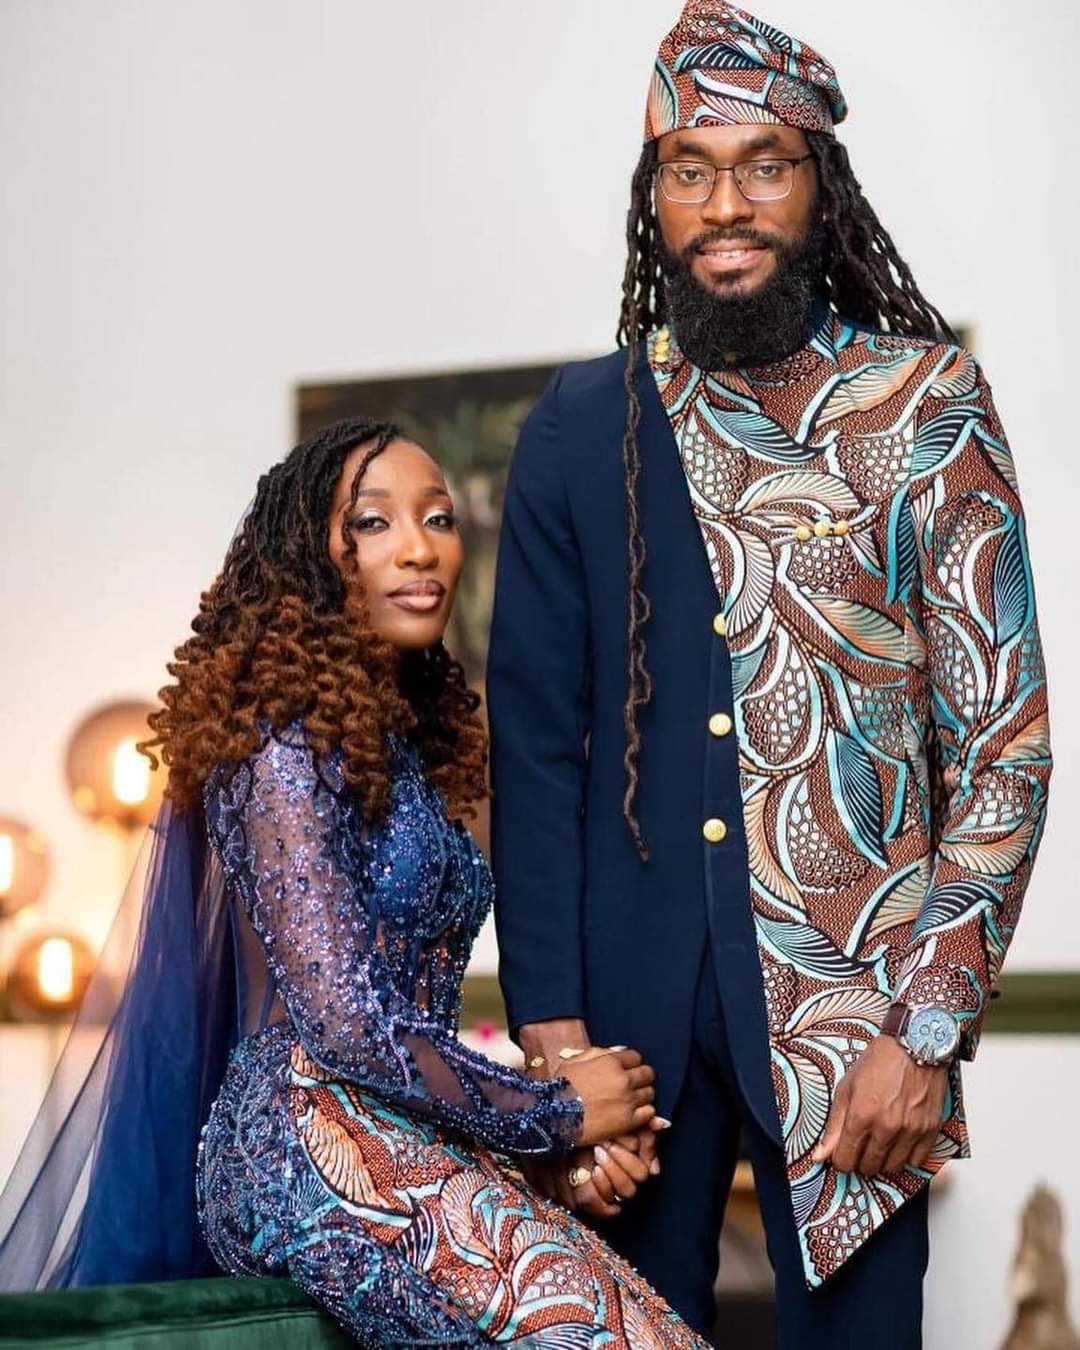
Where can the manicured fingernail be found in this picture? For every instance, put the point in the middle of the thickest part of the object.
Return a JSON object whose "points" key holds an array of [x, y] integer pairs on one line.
{"points": [[654, 1167], [663, 1122], [602, 1155], [620, 1047]]}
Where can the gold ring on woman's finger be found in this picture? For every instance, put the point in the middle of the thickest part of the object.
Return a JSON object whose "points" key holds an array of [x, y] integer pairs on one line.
{"points": [[579, 1176]]}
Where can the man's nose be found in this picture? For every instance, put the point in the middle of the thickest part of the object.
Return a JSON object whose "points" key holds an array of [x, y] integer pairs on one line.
{"points": [[726, 205]]}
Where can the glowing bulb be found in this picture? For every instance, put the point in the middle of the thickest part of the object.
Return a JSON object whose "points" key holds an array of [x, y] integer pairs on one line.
{"points": [[7, 864], [131, 774], [56, 970]]}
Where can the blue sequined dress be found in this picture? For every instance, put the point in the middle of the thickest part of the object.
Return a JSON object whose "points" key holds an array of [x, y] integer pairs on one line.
{"points": [[357, 1146]]}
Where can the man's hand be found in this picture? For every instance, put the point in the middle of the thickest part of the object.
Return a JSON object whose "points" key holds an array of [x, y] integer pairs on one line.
{"points": [[886, 1113]]}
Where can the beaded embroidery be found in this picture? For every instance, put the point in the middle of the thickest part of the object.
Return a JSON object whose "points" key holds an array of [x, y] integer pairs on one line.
{"points": [[346, 1148]]}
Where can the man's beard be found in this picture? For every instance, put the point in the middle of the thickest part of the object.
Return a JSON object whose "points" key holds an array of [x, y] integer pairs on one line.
{"points": [[718, 328]]}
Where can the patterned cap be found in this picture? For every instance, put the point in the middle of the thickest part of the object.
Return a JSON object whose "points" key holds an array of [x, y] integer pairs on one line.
{"points": [[719, 66]]}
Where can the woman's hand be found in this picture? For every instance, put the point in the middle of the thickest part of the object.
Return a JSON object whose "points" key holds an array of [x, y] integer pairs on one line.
{"points": [[618, 1172], [616, 1089]]}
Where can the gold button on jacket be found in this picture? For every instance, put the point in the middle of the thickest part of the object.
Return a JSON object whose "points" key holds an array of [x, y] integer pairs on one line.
{"points": [[720, 724], [715, 831], [720, 626]]}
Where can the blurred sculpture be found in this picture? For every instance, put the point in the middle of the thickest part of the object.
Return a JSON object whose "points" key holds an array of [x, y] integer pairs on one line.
{"points": [[1039, 1280]]}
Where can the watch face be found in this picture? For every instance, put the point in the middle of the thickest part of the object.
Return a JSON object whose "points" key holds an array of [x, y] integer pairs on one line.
{"points": [[932, 1034]]}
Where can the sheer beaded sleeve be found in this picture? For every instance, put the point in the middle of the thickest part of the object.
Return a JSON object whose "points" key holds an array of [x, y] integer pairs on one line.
{"points": [[287, 837]]}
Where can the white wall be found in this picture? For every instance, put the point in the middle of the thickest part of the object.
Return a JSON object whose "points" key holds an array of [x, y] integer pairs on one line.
{"points": [[203, 204], [1019, 1095]]}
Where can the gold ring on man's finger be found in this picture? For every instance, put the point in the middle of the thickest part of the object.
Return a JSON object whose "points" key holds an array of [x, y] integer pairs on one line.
{"points": [[579, 1176]]}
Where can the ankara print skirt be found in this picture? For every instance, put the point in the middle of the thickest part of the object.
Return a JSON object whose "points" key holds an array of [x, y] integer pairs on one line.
{"points": [[408, 1235]]}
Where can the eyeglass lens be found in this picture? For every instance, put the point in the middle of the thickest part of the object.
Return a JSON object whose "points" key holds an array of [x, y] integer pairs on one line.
{"points": [[759, 180]]}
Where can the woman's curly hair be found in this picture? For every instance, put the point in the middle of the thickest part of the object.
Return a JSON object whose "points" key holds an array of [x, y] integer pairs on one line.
{"points": [[279, 637]]}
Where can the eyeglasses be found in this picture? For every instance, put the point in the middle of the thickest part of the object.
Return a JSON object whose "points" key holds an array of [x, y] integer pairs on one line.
{"points": [[687, 181]]}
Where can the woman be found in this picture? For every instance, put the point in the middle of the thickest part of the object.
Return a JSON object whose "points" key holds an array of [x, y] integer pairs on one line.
{"points": [[355, 1144]]}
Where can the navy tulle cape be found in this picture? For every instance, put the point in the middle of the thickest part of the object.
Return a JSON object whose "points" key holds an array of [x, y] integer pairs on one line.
{"points": [[103, 1191]]}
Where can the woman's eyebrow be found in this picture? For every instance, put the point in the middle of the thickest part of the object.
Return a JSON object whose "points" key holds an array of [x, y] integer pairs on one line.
{"points": [[432, 490]]}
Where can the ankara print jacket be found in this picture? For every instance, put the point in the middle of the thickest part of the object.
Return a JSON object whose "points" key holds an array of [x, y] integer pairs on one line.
{"points": [[860, 513]]}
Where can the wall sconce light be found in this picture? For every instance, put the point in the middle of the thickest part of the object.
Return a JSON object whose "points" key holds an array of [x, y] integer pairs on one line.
{"points": [[109, 779], [24, 866], [49, 975]]}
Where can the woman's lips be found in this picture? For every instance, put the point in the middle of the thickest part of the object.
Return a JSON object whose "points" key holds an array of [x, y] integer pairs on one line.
{"points": [[420, 598]]}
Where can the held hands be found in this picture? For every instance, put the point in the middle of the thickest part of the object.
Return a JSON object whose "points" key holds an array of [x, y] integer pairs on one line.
{"points": [[886, 1113], [620, 1161]]}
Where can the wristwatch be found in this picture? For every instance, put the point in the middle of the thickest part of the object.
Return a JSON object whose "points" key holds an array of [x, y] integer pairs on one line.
{"points": [[930, 1034]]}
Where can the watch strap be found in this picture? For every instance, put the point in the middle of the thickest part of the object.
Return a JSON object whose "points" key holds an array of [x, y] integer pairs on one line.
{"points": [[896, 1020]]}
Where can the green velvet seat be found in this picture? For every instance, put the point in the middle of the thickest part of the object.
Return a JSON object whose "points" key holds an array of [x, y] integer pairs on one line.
{"points": [[183, 1315]]}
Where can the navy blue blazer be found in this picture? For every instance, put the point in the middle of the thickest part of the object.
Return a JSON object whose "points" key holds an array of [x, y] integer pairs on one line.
{"points": [[585, 928]]}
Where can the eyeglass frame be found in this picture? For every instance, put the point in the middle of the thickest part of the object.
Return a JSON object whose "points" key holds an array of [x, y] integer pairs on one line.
{"points": [[718, 169]]}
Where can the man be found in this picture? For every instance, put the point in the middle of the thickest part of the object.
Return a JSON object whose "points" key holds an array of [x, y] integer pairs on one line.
{"points": [[770, 737]]}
